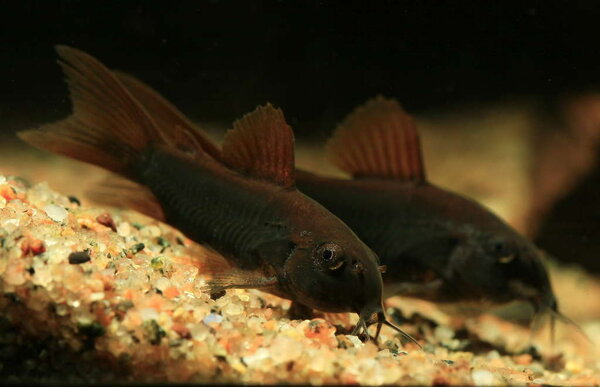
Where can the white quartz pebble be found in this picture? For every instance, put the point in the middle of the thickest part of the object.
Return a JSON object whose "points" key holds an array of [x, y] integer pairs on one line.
{"points": [[56, 213]]}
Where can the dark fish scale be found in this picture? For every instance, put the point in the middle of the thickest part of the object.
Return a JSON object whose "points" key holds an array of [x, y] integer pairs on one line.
{"points": [[207, 210]]}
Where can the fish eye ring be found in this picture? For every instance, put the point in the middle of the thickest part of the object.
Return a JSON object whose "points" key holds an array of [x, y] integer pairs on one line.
{"points": [[507, 259], [329, 254]]}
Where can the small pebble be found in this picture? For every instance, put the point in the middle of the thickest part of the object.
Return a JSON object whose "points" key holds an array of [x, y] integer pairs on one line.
{"points": [[163, 242], [524, 359], [482, 378], [233, 309], [151, 231], [137, 248], [74, 200], [148, 314], [96, 296], [157, 263], [355, 341], [162, 284], [443, 333], [56, 213], [124, 229], [10, 225], [199, 331], [79, 257], [106, 220], [213, 318]]}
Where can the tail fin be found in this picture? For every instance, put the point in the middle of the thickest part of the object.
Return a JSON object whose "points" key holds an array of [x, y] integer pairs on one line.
{"points": [[108, 126]]}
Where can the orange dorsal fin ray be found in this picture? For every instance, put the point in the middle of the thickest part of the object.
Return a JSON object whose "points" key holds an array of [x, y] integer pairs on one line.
{"points": [[185, 135], [261, 144], [378, 139]]}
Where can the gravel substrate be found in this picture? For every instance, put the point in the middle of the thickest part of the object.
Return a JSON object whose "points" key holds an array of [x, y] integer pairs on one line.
{"points": [[91, 294]]}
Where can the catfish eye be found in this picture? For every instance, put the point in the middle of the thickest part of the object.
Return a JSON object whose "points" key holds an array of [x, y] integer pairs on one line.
{"points": [[502, 251], [329, 254], [507, 258], [499, 248]]}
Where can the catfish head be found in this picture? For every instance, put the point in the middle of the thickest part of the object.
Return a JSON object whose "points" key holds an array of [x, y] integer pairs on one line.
{"points": [[331, 269], [502, 267], [330, 275]]}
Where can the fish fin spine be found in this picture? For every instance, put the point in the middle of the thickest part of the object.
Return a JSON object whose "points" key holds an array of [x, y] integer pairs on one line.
{"points": [[261, 144], [378, 139], [183, 133]]}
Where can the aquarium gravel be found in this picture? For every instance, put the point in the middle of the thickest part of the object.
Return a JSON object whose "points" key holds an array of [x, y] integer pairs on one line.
{"points": [[128, 292]]}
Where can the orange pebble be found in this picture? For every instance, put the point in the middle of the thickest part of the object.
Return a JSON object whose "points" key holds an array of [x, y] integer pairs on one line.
{"points": [[524, 359], [181, 330], [106, 220], [270, 325], [156, 302], [31, 245], [7, 192], [128, 294], [171, 292]]}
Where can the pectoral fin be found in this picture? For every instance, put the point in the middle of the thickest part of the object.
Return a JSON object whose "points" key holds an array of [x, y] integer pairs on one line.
{"points": [[235, 278]]}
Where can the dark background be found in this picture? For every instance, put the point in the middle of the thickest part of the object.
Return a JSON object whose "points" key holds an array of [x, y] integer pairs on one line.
{"points": [[217, 60], [317, 60]]}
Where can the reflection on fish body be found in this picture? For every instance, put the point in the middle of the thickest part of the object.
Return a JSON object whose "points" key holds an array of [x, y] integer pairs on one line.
{"points": [[242, 201], [437, 245]]}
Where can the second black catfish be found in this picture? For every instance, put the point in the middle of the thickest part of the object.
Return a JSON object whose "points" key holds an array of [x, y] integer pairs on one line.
{"points": [[436, 245]]}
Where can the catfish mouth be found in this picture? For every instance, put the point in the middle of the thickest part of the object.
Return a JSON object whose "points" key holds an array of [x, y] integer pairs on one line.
{"points": [[378, 317], [298, 290], [548, 307]]}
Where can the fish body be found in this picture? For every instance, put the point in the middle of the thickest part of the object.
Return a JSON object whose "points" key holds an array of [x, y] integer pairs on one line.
{"points": [[436, 245], [449, 248], [254, 225], [241, 200]]}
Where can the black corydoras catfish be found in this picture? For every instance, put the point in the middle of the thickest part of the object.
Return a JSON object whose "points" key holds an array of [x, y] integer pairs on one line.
{"points": [[437, 245], [242, 201]]}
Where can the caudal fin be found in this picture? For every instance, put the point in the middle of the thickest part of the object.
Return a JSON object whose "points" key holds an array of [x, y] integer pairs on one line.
{"points": [[108, 127]]}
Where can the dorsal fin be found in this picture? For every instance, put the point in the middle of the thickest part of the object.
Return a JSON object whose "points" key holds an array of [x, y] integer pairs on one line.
{"points": [[261, 144], [378, 139], [185, 135]]}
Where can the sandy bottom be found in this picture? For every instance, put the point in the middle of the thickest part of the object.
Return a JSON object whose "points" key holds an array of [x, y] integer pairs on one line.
{"points": [[127, 291]]}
